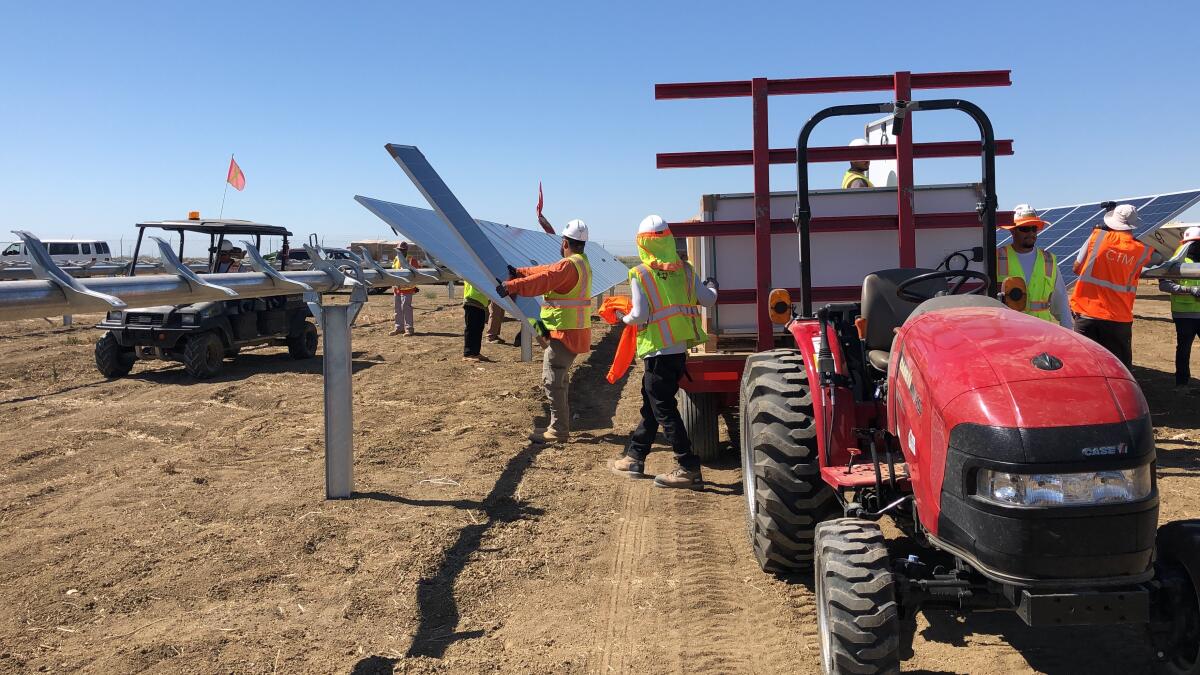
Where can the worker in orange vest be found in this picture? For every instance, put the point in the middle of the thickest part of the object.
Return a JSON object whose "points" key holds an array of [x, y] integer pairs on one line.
{"points": [[1109, 266]]}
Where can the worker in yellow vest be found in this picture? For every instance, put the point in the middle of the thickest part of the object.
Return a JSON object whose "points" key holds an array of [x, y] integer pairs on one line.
{"points": [[1185, 308], [475, 306], [403, 296], [566, 290], [666, 303], [1045, 294], [856, 177]]}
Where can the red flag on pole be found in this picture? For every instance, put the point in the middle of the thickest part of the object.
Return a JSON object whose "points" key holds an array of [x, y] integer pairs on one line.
{"points": [[236, 178], [542, 219]]}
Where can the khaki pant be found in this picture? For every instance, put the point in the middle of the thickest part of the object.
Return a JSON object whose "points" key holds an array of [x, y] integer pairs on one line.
{"points": [[404, 312], [495, 320], [556, 377]]}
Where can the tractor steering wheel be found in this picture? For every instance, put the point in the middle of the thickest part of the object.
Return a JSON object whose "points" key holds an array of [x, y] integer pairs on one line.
{"points": [[905, 291]]}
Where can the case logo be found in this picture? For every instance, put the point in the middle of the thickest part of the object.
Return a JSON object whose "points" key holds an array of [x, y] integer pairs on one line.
{"points": [[1106, 450]]}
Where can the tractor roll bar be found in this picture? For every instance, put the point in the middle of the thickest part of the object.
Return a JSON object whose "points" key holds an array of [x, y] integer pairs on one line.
{"points": [[899, 109]]}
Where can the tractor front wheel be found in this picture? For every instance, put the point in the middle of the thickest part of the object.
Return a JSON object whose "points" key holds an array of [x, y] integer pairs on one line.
{"points": [[1175, 630], [781, 472], [857, 616]]}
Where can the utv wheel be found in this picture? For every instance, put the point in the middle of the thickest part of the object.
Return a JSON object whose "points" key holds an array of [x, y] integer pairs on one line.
{"points": [[857, 616], [699, 413], [113, 360], [302, 344], [203, 355], [1176, 625], [781, 473]]}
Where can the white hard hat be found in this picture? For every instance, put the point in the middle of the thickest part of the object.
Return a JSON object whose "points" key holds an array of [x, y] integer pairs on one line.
{"points": [[1191, 234], [226, 245], [652, 224], [576, 229], [1024, 211], [858, 141]]}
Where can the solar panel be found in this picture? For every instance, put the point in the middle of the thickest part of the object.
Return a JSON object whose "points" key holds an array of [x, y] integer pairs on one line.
{"points": [[518, 247], [1070, 226]]}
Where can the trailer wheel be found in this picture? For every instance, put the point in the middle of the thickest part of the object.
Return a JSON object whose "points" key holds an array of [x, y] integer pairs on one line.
{"points": [[1176, 629], [699, 413], [857, 615], [113, 360], [203, 355], [302, 344], [781, 473]]}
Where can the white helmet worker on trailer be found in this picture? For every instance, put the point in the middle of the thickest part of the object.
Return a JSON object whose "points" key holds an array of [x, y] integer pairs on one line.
{"points": [[856, 176], [566, 320], [225, 261]]}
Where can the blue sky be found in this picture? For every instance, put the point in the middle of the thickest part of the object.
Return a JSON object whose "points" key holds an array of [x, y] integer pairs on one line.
{"points": [[119, 112]]}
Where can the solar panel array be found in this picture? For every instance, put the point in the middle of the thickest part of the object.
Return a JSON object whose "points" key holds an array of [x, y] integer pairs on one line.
{"points": [[1068, 227]]}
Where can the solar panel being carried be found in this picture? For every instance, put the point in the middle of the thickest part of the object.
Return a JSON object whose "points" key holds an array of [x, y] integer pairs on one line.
{"points": [[1068, 227], [479, 250]]}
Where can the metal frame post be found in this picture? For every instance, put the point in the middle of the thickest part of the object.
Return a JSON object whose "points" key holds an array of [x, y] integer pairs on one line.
{"points": [[905, 196], [339, 404], [762, 212], [526, 342]]}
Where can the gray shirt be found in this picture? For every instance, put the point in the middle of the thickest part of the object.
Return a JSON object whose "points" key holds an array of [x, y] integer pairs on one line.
{"points": [[1058, 297], [640, 313]]}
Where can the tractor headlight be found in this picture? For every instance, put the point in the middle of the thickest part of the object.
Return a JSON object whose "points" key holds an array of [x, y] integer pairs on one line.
{"points": [[115, 315], [1064, 489], [188, 319]]}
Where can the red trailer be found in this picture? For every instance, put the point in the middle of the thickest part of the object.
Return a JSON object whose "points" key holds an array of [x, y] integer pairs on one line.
{"points": [[885, 218]]}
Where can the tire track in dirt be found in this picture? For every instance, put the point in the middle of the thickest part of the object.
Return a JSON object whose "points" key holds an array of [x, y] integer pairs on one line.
{"points": [[629, 550]]}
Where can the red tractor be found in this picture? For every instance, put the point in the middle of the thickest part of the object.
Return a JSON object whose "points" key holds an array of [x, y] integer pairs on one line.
{"points": [[1017, 456]]}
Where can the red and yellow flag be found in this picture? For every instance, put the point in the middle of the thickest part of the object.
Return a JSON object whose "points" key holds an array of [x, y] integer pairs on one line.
{"points": [[236, 178]]}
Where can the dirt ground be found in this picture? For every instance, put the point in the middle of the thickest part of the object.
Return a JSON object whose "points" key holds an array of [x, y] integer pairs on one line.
{"points": [[157, 524]]}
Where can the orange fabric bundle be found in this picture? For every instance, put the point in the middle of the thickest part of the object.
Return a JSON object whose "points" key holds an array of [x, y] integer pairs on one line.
{"points": [[627, 347]]}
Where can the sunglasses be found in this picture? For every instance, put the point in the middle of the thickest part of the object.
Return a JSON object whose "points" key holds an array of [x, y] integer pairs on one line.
{"points": [[1027, 228]]}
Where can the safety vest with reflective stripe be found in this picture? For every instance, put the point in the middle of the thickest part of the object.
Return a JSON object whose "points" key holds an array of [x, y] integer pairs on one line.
{"points": [[1039, 284], [402, 290], [1108, 276], [469, 293], [852, 176], [573, 309], [1185, 304], [674, 311]]}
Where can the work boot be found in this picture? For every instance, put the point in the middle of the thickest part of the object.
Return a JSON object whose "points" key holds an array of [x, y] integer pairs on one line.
{"points": [[410, 332], [680, 478], [549, 436], [395, 331], [627, 466], [495, 341]]}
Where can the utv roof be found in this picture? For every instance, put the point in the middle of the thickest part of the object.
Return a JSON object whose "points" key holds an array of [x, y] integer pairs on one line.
{"points": [[216, 227]]}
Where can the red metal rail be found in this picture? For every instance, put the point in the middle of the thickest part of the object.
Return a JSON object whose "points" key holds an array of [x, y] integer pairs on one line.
{"points": [[761, 156]]}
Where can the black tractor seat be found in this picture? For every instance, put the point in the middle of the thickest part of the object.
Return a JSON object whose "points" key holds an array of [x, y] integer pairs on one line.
{"points": [[884, 311]]}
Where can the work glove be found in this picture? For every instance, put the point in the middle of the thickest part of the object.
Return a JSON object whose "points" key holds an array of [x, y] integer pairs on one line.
{"points": [[1195, 291], [513, 273], [501, 291]]}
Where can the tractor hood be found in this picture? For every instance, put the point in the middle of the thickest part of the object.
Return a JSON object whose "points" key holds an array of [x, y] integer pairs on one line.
{"points": [[995, 366]]}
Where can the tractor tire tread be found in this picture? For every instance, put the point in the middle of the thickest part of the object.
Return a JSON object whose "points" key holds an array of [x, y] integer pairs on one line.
{"points": [[858, 594]]}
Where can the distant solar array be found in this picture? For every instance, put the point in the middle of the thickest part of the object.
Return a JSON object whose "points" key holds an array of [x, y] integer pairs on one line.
{"points": [[1068, 227]]}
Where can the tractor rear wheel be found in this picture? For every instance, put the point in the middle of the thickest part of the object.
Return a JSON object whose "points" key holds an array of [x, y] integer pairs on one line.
{"points": [[113, 360], [1176, 628], [781, 472], [857, 615], [302, 344], [700, 415], [203, 355]]}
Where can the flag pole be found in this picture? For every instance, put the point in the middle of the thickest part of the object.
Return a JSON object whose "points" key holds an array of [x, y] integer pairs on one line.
{"points": [[222, 213]]}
